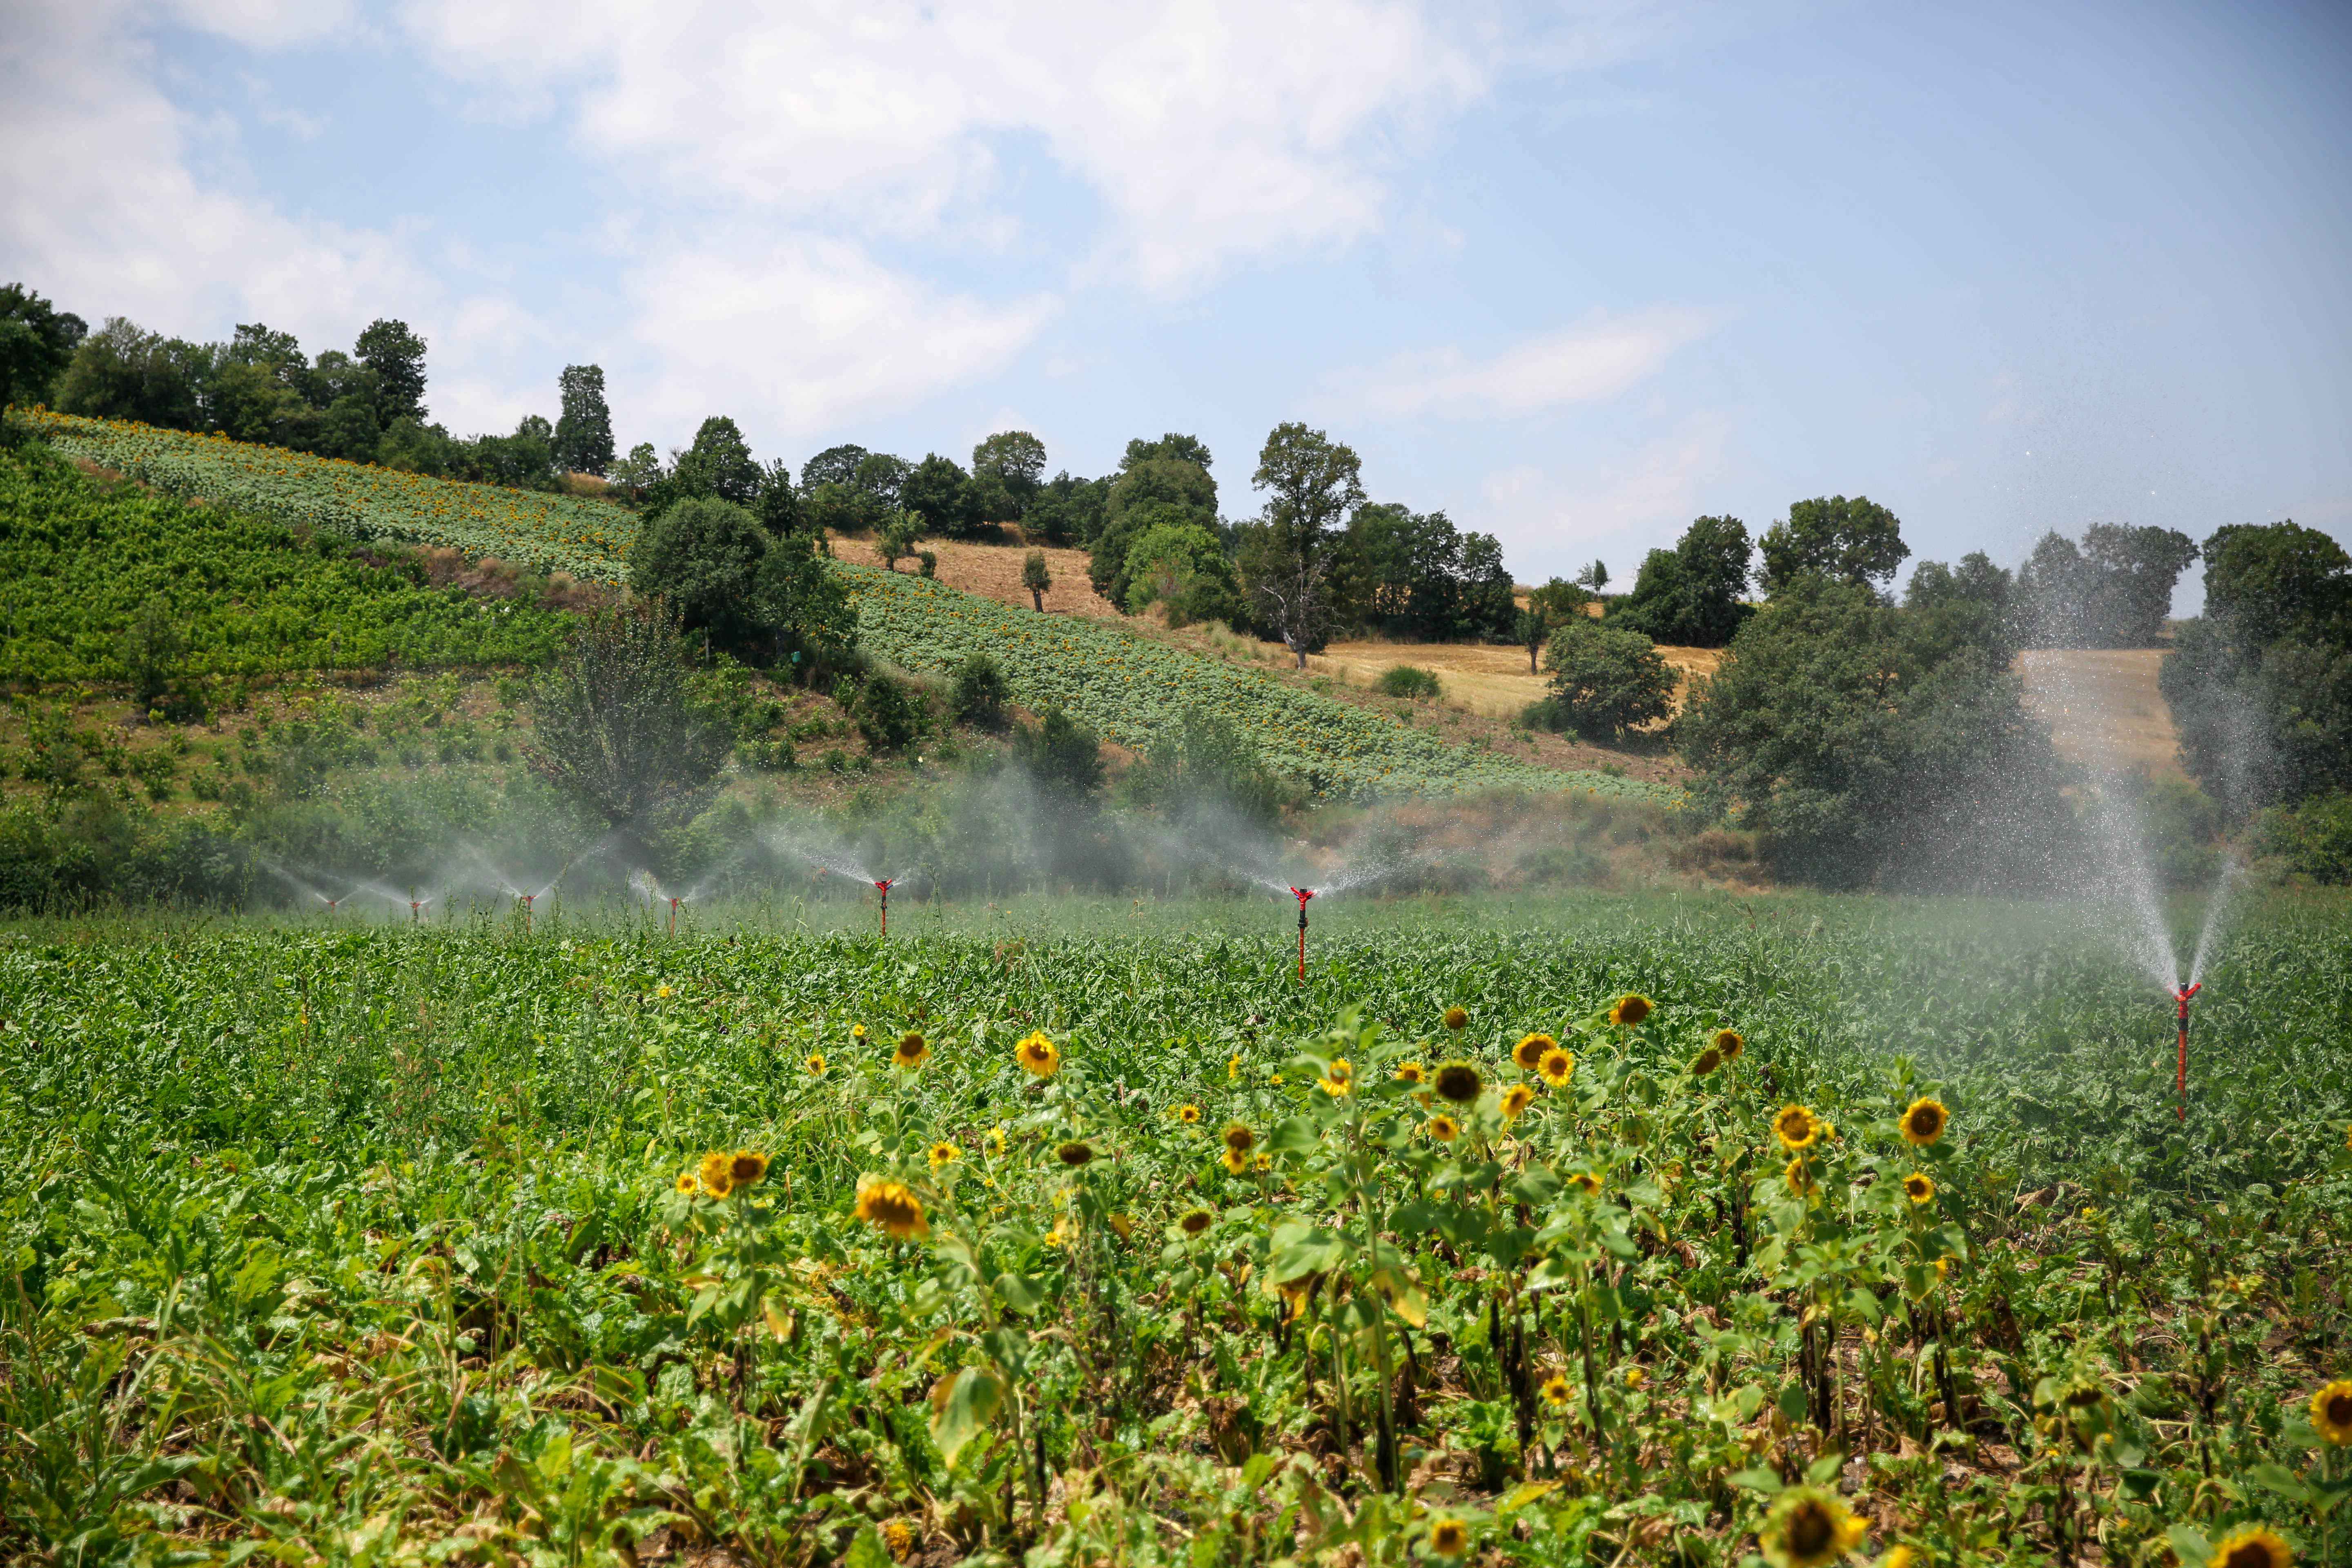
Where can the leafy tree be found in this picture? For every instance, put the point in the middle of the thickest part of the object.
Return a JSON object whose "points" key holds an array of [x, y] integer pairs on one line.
{"points": [[583, 430], [1856, 540], [1066, 510], [1594, 576], [1064, 758], [887, 712], [980, 693], [838, 507], [1153, 491], [1037, 579], [397, 357], [154, 650], [1016, 460], [719, 465], [2113, 591], [124, 371], [1970, 603], [881, 476], [780, 503], [1863, 744], [1690, 596], [2278, 582], [1181, 565], [1311, 482], [895, 540], [939, 491], [36, 340], [704, 556], [637, 473], [1532, 629], [802, 609], [1171, 448], [1205, 761], [1605, 681], [619, 728], [348, 429]]}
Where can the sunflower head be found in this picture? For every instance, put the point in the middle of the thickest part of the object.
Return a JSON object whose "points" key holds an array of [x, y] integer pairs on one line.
{"points": [[1557, 1067], [1707, 1061], [1459, 1082], [1449, 1537], [857, 1031], [2331, 1412], [687, 1183], [1516, 1100], [913, 1050], [1240, 1139], [1338, 1079], [1556, 1391], [662, 991], [1635, 1376], [1585, 1181], [1443, 1128], [1630, 1010], [892, 1208], [1193, 1222], [717, 1173], [1728, 1044], [1038, 1055], [747, 1167], [1901, 1557], [816, 1065], [1235, 1161], [1077, 1152], [900, 1537], [1808, 1528], [1410, 1072], [1798, 1175], [944, 1153], [1923, 1121], [2253, 1547], [1530, 1050], [1797, 1128], [1457, 1017], [1919, 1188], [1261, 1160], [1189, 1115], [995, 1139]]}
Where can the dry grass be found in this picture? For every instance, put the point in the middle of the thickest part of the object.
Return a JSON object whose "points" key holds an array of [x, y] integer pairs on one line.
{"points": [[2102, 706], [993, 571]]}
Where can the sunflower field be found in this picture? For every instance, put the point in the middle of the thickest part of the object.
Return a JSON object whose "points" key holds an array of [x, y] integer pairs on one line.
{"points": [[546, 533], [1718, 1232], [1132, 689]]}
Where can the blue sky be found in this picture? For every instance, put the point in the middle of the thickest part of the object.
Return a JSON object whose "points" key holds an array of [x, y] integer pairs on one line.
{"points": [[1573, 274]]}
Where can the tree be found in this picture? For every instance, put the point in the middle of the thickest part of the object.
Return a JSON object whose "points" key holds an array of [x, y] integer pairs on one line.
{"points": [[2113, 591], [2279, 581], [895, 538], [153, 650], [780, 503], [36, 340], [1594, 576], [1035, 578], [1152, 492], [1532, 629], [1690, 596], [802, 606], [637, 473], [583, 430], [1016, 459], [1171, 448], [939, 491], [1311, 482], [838, 507], [833, 465], [882, 475], [980, 693], [1967, 603], [124, 371], [703, 555], [1064, 758], [1066, 510], [887, 712], [619, 728], [719, 465], [1605, 681], [1181, 565], [1856, 540], [397, 357]]}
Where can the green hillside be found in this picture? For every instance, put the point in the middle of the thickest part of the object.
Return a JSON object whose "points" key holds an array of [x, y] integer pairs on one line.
{"points": [[1132, 689]]}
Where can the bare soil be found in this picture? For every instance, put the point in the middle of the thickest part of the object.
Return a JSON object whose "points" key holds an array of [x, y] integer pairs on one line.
{"points": [[2102, 706]]}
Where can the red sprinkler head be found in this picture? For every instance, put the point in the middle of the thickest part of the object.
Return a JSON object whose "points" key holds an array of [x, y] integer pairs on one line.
{"points": [[1302, 895], [2180, 1070]]}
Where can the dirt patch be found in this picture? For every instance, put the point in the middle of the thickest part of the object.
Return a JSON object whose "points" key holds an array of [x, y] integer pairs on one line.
{"points": [[2102, 706], [1482, 678], [993, 571]]}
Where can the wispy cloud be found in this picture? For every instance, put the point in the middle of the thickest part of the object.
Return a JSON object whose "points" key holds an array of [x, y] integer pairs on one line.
{"points": [[1592, 362]]}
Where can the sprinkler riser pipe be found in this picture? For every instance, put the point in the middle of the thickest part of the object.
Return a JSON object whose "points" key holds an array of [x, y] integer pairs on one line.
{"points": [[2180, 1068]]}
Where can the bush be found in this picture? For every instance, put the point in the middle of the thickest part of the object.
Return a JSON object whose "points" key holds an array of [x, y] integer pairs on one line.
{"points": [[704, 555], [2312, 840], [1063, 757], [980, 693], [619, 728], [1407, 680], [154, 651], [887, 712], [1606, 680]]}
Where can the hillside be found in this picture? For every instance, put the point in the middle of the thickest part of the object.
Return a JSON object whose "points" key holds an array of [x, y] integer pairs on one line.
{"points": [[2103, 706]]}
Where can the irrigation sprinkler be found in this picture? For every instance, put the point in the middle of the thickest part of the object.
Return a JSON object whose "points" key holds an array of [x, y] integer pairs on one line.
{"points": [[1302, 895], [882, 884], [526, 899], [2181, 1072], [673, 913]]}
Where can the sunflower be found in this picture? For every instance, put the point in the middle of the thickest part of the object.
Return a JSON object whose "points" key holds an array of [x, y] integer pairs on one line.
{"points": [[1707, 1061], [1235, 1162], [1443, 1128], [816, 1065], [1038, 1055], [2331, 1412], [1924, 1122], [1517, 1099], [900, 1537], [1339, 1079], [1193, 1222], [747, 1168], [1189, 1115], [1530, 1050], [1076, 1153], [1459, 1082], [944, 1153], [1919, 1188], [717, 1171], [1239, 1139], [1233, 1070], [1457, 1017], [995, 1139], [1261, 1160], [1556, 1391], [662, 991], [1410, 1072], [1799, 1176], [1901, 1557], [857, 1031], [1808, 1528], [1449, 1537], [1636, 1376], [1797, 1128], [913, 1050], [1729, 1043], [1557, 1067], [687, 1183], [2252, 1547], [891, 1206], [1630, 1010], [1585, 1181]]}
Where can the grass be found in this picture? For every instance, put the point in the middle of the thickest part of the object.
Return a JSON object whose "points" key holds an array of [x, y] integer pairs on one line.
{"points": [[368, 1244]]}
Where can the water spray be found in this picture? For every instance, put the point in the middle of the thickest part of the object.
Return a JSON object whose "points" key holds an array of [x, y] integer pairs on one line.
{"points": [[2181, 1072], [1302, 895]]}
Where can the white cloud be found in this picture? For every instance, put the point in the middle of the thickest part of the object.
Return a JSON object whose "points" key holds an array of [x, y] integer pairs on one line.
{"points": [[1591, 362], [1551, 522]]}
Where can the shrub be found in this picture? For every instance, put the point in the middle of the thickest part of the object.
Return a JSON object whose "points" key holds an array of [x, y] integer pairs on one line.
{"points": [[152, 652], [1064, 756], [1407, 680], [980, 693], [2314, 839], [619, 727], [887, 711], [1606, 680]]}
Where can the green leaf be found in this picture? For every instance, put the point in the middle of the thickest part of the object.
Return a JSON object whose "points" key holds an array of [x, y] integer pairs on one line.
{"points": [[2279, 1480], [1824, 1470], [962, 1405], [2189, 1545], [866, 1551], [1296, 1135], [1018, 1292], [1760, 1480], [1316, 1252]]}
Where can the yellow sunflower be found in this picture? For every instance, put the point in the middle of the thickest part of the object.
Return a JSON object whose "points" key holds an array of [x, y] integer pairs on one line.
{"points": [[913, 1050], [1235, 1161], [1410, 1072], [944, 1153], [1189, 1115], [1630, 1010], [1901, 1557], [892, 1207], [1530, 1050], [1457, 1017], [1557, 1067], [1797, 1128], [1919, 1188], [2252, 1547], [717, 1171], [1798, 1175], [1038, 1055], [857, 1031], [2331, 1412], [1449, 1537], [995, 1139], [816, 1065], [900, 1537], [1443, 1128], [747, 1168], [1339, 1079], [1459, 1082], [687, 1183], [1635, 1376], [1585, 1181], [662, 991], [1193, 1222], [1516, 1100], [1075, 1154], [1923, 1121], [1808, 1528], [1729, 1043], [1556, 1391], [1239, 1139]]}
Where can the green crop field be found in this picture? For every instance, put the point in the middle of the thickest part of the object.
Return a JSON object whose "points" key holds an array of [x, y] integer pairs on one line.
{"points": [[1088, 1234]]}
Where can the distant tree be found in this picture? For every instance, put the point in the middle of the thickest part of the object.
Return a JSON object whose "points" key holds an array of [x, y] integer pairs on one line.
{"points": [[1016, 460], [1594, 576], [1066, 510], [780, 502], [1970, 603], [1605, 681], [1854, 540], [2113, 591], [895, 540], [980, 693], [348, 429], [124, 371], [838, 507], [2278, 582], [833, 465], [703, 555], [1171, 448], [1532, 629], [154, 651], [397, 357], [1152, 492], [1690, 596], [619, 728], [882, 475], [1205, 761], [1181, 567], [719, 465], [583, 430], [887, 712], [939, 491], [1064, 758], [637, 473], [802, 609], [1312, 483], [1037, 578], [36, 340]]}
